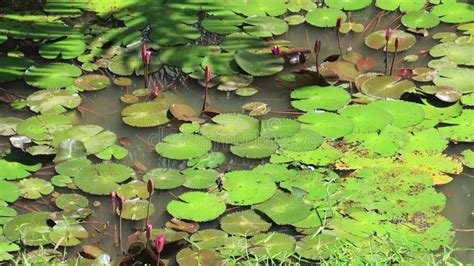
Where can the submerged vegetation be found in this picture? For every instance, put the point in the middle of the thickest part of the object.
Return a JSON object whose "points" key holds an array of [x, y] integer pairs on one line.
{"points": [[347, 175]]}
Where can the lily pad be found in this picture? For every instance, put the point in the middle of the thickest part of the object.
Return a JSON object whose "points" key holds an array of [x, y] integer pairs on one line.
{"points": [[467, 158], [53, 101], [136, 209], [92, 82], [12, 68], [165, 178], [52, 76], [102, 179], [279, 128], [200, 179], [348, 5], [210, 160], [68, 48], [61, 180], [95, 138], [130, 62], [30, 228], [43, 127], [183, 146], [71, 202], [328, 125], [245, 188], [324, 17], [459, 54], [296, 6], [420, 20], [225, 23], [459, 78], [16, 170], [317, 247], [133, 189], [404, 114], [387, 87], [264, 26], [376, 40], [72, 167], [245, 223], [9, 192], [304, 140], [367, 118], [68, 233], [209, 239], [256, 108], [273, 245], [34, 188], [404, 5], [196, 206], [148, 114], [258, 148], [246, 91], [190, 256], [8, 125], [259, 64], [284, 208], [454, 12], [261, 8], [315, 97], [231, 128]]}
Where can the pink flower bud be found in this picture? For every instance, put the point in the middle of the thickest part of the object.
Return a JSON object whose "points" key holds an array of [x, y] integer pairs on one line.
{"points": [[154, 92], [149, 229], [113, 198], [317, 46], [121, 204], [388, 34], [397, 42], [276, 50], [151, 183], [160, 243], [338, 23], [208, 74], [147, 57]]}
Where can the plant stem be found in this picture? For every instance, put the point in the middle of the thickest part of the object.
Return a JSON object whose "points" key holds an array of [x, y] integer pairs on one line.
{"points": [[120, 233], [386, 57], [158, 259], [393, 60], [339, 42], [205, 98], [317, 63], [148, 218]]}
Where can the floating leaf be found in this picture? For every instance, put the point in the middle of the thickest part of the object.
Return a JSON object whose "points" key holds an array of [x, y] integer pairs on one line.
{"points": [[184, 112], [8, 125], [261, 8], [95, 138], [328, 125], [43, 127], [231, 128], [349, 5], [272, 245], [71, 201], [210, 160], [133, 189], [467, 158], [34, 188], [9, 192], [15, 170], [196, 206], [245, 188], [241, 40], [245, 223], [295, 19], [200, 179], [387, 87], [460, 128], [420, 20], [136, 209], [189, 256], [246, 91], [295, 6], [209, 239], [454, 12], [367, 118], [68, 48], [53, 101], [183, 146], [324, 17], [284, 208], [315, 97], [404, 5], [102, 179], [317, 247], [232, 83], [130, 62], [264, 26], [92, 82], [12, 68], [225, 23], [258, 64], [404, 114], [256, 108], [30, 228], [165, 178], [52, 76], [376, 40], [68, 233], [72, 167], [304, 140], [148, 114]]}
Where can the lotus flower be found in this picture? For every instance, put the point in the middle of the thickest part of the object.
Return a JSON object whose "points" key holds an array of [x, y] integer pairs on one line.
{"points": [[276, 50], [154, 92], [150, 186], [208, 74], [397, 43], [388, 34], [160, 243], [149, 229], [147, 58], [144, 49]]}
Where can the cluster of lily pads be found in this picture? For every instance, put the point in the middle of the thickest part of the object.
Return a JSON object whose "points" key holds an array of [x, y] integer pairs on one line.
{"points": [[350, 179]]}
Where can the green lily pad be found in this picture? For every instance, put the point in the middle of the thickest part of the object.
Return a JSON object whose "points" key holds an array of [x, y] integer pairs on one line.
{"points": [[376, 40], [209, 239], [467, 100], [264, 26], [245, 188], [467, 158], [71, 202], [6, 247], [387, 87], [43, 127], [30, 228], [295, 19], [256, 108], [102, 179], [428, 141], [15, 170], [284, 208], [231, 128], [196, 206], [277, 172], [313, 183], [322, 156], [404, 5], [315, 97], [459, 54], [34, 188], [191, 256], [165, 178], [328, 125], [324, 17], [245, 223], [95, 138], [136, 209], [454, 12], [404, 114], [133, 189], [178, 33], [279, 128], [116, 151], [72, 167], [420, 20], [61, 180], [461, 79], [8, 125], [130, 62], [351, 26], [348, 5], [210, 160], [68, 233], [460, 128], [68, 48], [272, 245], [367, 118], [317, 247], [52, 76], [183, 146], [195, 54], [259, 64], [255, 149], [225, 23], [241, 40], [304, 140], [232, 83], [148, 114], [296, 6], [261, 8], [246, 91], [53, 101], [9, 191], [12, 68], [200, 179], [92, 82]]}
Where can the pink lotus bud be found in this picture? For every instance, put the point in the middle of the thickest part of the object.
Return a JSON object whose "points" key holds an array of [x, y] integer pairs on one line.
{"points": [[397, 42], [338, 23], [121, 204], [151, 183], [154, 92], [160, 243], [147, 57], [208, 74], [143, 51], [276, 50], [317, 46], [113, 198], [388, 34], [149, 229]]}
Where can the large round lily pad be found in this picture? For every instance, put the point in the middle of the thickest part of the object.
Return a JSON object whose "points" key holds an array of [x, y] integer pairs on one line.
{"points": [[387, 87], [284, 208], [52, 76], [315, 97], [318, 247], [12, 68], [404, 114], [454, 12], [16, 170], [259, 64], [231, 128], [196, 206], [304, 140], [94, 138], [348, 5], [403, 5], [92, 82], [30, 228], [255, 149], [264, 26], [367, 118], [279, 127], [200, 179], [34, 188], [102, 179], [245, 223], [43, 127], [328, 125], [149, 114], [165, 178], [53, 101], [183, 146], [136, 209], [68, 48], [376, 40], [273, 245], [71, 201], [420, 20], [324, 17], [247, 187]]}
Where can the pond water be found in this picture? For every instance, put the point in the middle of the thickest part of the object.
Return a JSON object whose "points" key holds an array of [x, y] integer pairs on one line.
{"points": [[103, 108]]}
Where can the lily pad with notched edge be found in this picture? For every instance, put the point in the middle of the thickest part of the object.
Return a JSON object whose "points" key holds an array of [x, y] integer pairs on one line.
{"points": [[279, 127], [328, 125], [148, 114], [68, 233], [130, 62], [404, 114], [136, 209], [325, 17], [102, 179], [196, 206], [53, 101], [52, 76], [30, 228], [200, 179], [454, 12], [95, 138], [348, 5], [284, 208], [34, 188], [8, 125], [71, 201], [133, 189], [315, 97], [231, 128], [210, 160], [9, 191], [16, 170], [246, 188], [259, 64], [264, 26], [387, 87], [272, 245], [420, 20], [376, 40], [165, 178], [255, 149], [403, 5], [467, 158], [92, 82], [304, 140], [183, 146], [43, 127], [68, 48], [12, 68], [367, 118], [244, 223]]}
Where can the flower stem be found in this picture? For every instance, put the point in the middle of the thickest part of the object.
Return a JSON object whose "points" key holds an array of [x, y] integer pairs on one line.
{"points": [[393, 60]]}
